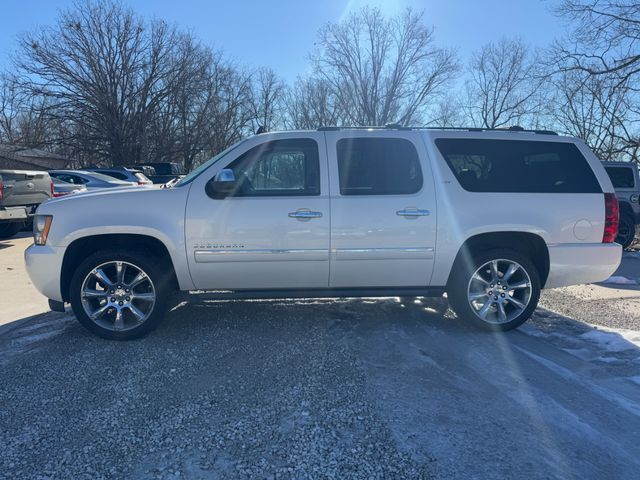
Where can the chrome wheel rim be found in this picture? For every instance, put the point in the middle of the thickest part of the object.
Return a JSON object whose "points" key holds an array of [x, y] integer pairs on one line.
{"points": [[499, 291], [118, 296]]}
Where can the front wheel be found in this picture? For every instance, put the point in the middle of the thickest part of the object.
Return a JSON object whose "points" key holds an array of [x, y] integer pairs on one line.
{"points": [[120, 296], [498, 290]]}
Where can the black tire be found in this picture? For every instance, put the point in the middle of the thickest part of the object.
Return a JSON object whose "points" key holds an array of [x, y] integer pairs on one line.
{"points": [[626, 230], [459, 285], [159, 272], [9, 229]]}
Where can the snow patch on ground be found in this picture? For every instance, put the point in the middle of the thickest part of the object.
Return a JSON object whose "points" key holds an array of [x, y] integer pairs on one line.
{"points": [[619, 280], [614, 340]]}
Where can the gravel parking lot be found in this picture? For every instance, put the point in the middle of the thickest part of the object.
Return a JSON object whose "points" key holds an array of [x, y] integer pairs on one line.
{"points": [[355, 388]]}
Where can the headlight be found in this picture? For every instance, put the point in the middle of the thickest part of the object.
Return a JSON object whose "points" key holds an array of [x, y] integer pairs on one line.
{"points": [[41, 226]]}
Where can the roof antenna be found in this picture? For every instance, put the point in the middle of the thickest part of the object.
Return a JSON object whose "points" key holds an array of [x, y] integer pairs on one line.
{"points": [[261, 129]]}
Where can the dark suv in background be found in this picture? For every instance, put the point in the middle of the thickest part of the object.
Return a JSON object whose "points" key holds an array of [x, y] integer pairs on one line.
{"points": [[625, 179], [164, 171]]}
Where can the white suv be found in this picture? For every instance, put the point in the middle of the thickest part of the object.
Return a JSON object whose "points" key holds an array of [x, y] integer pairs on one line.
{"points": [[489, 217]]}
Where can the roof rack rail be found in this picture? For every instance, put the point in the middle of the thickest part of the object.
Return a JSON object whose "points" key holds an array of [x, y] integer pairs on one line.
{"points": [[395, 126]]}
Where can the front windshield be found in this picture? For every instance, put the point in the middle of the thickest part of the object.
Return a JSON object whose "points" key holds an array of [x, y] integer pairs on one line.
{"points": [[195, 173]]}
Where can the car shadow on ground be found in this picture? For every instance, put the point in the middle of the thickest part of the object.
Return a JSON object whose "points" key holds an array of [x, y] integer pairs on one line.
{"points": [[8, 242]]}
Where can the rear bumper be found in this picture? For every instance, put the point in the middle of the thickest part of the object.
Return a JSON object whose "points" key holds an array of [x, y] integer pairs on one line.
{"points": [[13, 214], [44, 266], [576, 263]]}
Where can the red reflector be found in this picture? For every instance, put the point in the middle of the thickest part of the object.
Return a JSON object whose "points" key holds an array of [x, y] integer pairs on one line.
{"points": [[611, 218]]}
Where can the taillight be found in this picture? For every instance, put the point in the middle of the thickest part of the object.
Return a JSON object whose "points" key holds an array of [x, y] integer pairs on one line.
{"points": [[1, 189], [611, 218], [52, 192]]}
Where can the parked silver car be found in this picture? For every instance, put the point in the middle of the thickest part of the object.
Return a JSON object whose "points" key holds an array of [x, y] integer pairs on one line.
{"points": [[123, 173], [91, 180], [62, 188]]}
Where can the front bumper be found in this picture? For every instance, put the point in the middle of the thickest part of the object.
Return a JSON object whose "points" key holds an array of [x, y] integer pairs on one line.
{"points": [[14, 214], [577, 263], [44, 266]]}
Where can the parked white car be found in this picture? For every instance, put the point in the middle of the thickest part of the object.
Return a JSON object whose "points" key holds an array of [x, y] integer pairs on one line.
{"points": [[489, 217]]}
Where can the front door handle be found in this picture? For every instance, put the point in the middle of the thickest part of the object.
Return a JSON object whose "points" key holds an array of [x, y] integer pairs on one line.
{"points": [[413, 212], [305, 214]]}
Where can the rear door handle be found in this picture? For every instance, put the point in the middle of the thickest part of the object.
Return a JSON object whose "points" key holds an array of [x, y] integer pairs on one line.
{"points": [[413, 212], [305, 214]]}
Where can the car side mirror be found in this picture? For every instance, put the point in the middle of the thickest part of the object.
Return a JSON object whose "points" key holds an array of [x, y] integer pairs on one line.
{"points": [[222, 185]]}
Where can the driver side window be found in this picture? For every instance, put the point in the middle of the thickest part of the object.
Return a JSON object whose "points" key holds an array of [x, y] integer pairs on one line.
{"points": [[278, 168]]}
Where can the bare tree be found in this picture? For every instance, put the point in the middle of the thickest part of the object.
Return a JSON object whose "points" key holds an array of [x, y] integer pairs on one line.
{"points": [[382, 70], [503, 85], [311, 103], [605, 38], [594, 108], [447, 112], [107, 71], [602, 50], [267, 99], [231, 113], [22, 117]]}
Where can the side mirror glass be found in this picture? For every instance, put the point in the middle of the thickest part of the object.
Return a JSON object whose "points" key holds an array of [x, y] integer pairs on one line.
{"points": [[222, 184]]}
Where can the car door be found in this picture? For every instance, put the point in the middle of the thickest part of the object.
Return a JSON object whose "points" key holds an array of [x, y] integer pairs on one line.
{"points": [[383, 209], [272, 232]]}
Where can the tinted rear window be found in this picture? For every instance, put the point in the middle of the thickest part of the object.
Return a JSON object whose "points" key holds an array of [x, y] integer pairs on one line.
{"points": [[518, 166], [378, 166], [621, 177]]}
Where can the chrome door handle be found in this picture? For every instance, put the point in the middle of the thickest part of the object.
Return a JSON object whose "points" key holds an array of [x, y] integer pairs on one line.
{"points": [[305, 214], [413, 212]]}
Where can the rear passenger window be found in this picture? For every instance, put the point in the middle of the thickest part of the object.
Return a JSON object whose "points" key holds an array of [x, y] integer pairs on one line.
{"points": [[378, 166], [621, 177], [518, 166]]}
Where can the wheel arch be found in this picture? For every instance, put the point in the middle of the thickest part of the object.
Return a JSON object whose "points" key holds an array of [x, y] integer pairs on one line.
{"points": [[80, 248], [529, 244]]}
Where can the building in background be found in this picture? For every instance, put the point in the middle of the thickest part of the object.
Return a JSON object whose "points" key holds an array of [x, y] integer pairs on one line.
{"points": [[20, 158]]}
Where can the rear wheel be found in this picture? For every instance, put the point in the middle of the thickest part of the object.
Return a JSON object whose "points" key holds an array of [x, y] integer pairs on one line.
{"points": [[9, 229], [498, 290], [119, 295], [626, 231]]}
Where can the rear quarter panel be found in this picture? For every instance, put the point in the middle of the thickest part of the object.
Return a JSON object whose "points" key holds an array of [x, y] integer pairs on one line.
{"points": [[556, 218]]}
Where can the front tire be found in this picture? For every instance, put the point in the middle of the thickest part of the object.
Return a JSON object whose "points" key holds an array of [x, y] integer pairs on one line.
{"points": [[120, 295], [497, 290]]}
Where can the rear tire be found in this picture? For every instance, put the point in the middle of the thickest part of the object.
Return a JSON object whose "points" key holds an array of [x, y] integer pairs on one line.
{"points": [[9, 229], [626, 231], [121, 295], [498, 290]]}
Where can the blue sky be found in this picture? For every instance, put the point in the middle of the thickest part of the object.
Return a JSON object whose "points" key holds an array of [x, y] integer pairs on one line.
{"points": [[281, 33]]}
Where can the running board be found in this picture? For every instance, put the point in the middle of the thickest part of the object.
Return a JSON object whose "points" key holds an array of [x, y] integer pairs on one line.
{"points": [[314, 293]]}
